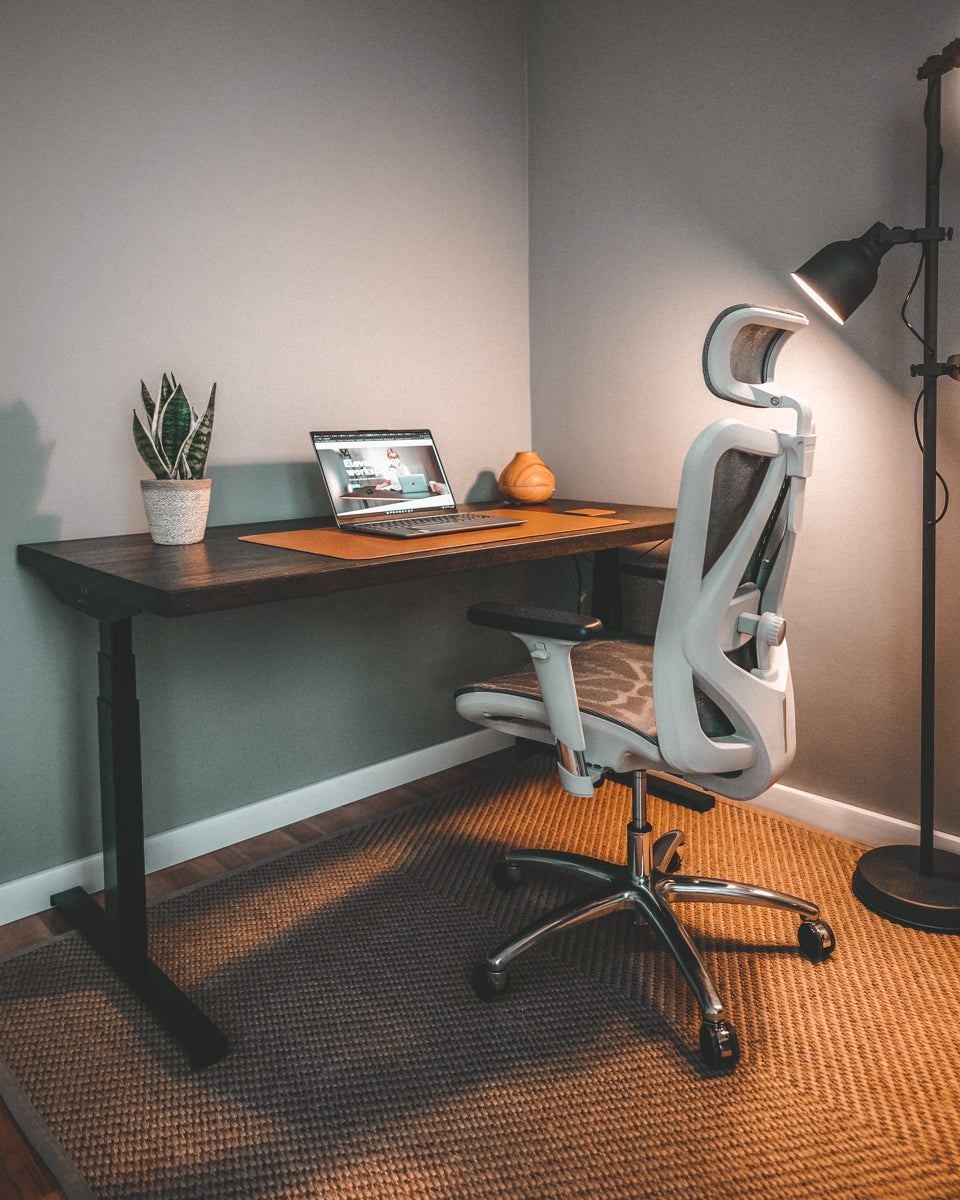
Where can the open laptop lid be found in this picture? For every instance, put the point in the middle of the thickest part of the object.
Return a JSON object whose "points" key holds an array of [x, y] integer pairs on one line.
{"points": [[371, 473]]}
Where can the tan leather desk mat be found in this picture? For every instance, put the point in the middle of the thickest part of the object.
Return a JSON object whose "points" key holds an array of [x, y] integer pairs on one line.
{"points": [[335, 543]]}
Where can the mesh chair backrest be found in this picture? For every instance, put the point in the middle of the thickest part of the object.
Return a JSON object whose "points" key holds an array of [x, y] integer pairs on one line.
{"points": [[723, 697], [736, 482], [703, 672]]}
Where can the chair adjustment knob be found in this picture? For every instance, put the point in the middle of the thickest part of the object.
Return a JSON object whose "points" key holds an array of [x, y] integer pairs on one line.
{"points": [[768, 627]]}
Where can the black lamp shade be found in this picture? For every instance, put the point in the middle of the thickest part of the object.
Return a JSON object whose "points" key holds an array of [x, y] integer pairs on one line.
{"points": [[842, 275]]}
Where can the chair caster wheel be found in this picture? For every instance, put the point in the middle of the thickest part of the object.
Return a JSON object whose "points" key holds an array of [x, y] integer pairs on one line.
{"points": [[488, 984], [506, 876], [719, 1045], [675, 862], [816, 940]]}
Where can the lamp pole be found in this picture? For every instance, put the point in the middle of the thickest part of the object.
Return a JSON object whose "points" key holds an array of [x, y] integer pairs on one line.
{"points": [[928, 603]]}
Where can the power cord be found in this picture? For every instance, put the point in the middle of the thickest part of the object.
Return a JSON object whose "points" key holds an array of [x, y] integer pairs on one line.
{"points": [[581, 586], [919, 401], [923, 342]]}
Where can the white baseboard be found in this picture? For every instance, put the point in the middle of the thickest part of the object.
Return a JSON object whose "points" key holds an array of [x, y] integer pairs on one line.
{"points": [[848, 821], [31, 894]]}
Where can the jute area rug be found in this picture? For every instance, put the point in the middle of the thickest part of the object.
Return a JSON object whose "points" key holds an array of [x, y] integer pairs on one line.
{"points": [[363, 1066]]}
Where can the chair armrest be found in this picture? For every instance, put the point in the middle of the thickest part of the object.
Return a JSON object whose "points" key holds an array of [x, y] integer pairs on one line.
{"points": [[540, 622], [550, 637]]}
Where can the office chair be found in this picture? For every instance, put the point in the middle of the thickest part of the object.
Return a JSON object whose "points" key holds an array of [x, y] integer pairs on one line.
{"points": [[710, 701]]}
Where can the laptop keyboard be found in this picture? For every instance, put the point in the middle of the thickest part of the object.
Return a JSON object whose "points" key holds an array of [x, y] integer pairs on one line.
{"points": [[441, 523]]}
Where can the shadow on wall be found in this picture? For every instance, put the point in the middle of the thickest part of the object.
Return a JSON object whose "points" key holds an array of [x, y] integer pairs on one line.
{"points": [[48, 663], [24, 460], [265, 492], [484, 489], [279, 491]]}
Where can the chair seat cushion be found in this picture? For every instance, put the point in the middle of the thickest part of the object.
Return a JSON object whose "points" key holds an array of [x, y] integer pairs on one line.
{"points": [[614, 681]]}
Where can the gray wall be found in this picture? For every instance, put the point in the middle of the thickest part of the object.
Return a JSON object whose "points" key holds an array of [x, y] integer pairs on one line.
{"points": [[685, 157], [323, 207]]}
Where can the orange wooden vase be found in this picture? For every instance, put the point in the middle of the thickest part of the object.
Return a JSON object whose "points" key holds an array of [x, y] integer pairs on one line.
{"points": [[526, 479]]}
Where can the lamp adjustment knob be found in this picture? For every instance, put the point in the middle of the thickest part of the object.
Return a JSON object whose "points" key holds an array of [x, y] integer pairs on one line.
{"points": [[768, 627]]}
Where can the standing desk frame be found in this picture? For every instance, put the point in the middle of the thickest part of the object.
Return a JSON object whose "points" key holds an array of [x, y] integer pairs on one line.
{"points": [[114, 579]]}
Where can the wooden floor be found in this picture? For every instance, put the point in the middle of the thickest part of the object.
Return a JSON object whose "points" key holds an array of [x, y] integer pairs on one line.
{"points": [[22, 1175]]}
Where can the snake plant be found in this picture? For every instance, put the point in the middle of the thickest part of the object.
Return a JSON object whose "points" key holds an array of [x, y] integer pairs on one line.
{"points": [[173, 441]]}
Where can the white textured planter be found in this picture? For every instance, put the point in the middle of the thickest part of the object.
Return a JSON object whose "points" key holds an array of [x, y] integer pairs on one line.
{"points": [[176, 509]]}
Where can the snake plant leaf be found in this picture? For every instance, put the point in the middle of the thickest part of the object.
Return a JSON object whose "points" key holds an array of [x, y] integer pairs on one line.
{"points": [[174, 441], [145, 446], [173, 429], [196, 447], [166, 391], [148, 401]]}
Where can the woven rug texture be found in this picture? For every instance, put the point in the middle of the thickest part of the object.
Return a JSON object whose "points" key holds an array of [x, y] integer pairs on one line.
{"points": [[363, 1066]]}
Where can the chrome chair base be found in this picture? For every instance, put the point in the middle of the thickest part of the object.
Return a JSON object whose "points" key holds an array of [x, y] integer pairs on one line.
{"points": [[649, 887]]}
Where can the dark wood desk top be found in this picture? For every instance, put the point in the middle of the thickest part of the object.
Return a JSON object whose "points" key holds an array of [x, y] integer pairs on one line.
{"points": [[113, 577]]}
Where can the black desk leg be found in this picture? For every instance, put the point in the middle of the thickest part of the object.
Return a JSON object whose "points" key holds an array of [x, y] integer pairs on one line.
{"points": [[607, 597], [118, 931]]}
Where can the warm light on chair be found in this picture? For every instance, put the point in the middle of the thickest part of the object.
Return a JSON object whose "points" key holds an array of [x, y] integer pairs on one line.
{"points": [[916, 885]]}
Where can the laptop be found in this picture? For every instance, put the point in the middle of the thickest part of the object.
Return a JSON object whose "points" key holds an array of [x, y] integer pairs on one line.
{"points": [[391, 483], [413, 485]]}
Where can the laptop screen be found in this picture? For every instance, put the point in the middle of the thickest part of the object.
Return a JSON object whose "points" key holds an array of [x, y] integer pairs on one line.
{"points": [[372, 473]]}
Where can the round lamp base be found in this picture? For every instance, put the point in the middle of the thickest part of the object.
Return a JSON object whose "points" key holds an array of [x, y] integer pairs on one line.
{"points": [[888, 881]]}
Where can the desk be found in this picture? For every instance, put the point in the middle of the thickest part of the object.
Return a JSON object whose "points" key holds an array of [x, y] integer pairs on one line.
{"points": [[113, 579]]}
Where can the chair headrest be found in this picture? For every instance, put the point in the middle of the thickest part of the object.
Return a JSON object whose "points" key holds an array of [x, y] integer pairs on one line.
{"points": [[741, 350]]}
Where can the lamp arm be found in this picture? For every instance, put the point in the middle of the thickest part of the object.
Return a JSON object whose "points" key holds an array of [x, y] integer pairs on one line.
{"points": [[951, 367], [940, 64], [898, 236]]}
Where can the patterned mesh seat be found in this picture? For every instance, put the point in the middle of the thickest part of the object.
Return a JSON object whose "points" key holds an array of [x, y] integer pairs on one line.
{"points": [[614, 682]]}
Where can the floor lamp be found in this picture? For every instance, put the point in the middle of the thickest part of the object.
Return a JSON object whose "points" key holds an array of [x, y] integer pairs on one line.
{"points": [[916, 885]]}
